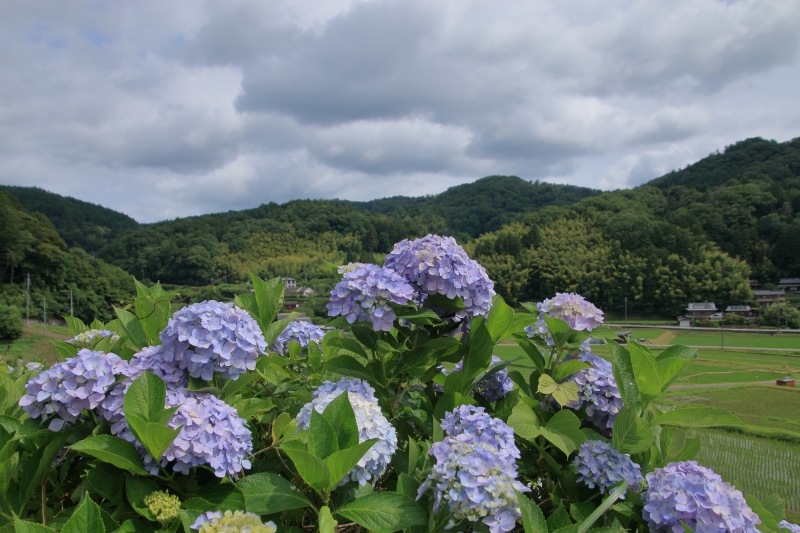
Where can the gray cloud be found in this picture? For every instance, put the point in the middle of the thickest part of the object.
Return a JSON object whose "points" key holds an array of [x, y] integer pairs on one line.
{"points": [[164, 110]]}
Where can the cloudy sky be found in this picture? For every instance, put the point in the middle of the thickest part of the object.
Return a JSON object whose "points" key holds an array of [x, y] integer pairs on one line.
{"points": [[165, 109]]}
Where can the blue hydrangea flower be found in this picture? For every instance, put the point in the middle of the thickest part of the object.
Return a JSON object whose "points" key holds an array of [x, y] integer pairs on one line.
{"points": [[794, 528], [493, 388], [697, 496], [597, 391], [600, 465], [34, 367], [369, 419], [475, 472], [212, 434], [438, 265], [66, 389], [366, 294], [89, 338], [300, 332], [570, 307], [232, 522], [209, 337]]}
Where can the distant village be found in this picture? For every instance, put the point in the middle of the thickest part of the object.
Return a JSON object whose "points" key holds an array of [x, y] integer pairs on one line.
{"points": [[709, 311]]}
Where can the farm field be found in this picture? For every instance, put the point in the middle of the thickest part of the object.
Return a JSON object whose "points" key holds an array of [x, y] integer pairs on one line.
{"points": [[785, 341], [32, 346]]}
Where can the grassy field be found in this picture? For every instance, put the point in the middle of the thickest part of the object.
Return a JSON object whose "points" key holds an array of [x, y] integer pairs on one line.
{"points": [[32, 346]]}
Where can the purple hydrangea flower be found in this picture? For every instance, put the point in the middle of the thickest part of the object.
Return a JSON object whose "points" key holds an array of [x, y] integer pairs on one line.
{"points": [[697, 496], [572, 308], [601, 465], [300, 332], [597, 391], [89, 338], [367, 292], [475, 471], [438, 265], [493, 388], [211, 434], [209, 337], [794, 528], [369, 419], [70, 387]]}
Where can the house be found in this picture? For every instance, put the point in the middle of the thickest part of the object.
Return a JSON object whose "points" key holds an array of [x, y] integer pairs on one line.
{"points": [[741, 310], [754, 284], [684, 322], [765, 298], [789, 284], [304, 292], [702, 310], [290, 305], [788, 381], [290, 284]]}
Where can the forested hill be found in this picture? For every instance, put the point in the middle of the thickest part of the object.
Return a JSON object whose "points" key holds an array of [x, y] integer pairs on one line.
{"points": [[693, 235], [82, 224], [483, 205]]}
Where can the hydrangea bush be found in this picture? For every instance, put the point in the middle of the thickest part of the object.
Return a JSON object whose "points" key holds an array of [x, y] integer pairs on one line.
{"points": [[220, 417]]}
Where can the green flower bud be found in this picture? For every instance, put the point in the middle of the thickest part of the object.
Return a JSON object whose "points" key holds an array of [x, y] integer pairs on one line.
{"points": [[163, 505]]}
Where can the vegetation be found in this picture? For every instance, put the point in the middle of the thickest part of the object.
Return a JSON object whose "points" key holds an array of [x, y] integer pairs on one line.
{"points": [[10, 323]]}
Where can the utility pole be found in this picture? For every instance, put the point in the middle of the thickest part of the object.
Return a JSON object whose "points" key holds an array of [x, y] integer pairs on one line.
{"points": [[44, 314], [626, 311], [70, 302], [722, 331], [779, 315], [28, 301]]}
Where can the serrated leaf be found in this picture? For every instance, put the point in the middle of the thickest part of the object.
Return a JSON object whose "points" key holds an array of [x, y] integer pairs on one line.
{"points": [[113, 450], [341, 462], [65, 350], [384, 512], [564, 431], [645, 372], [563, 393], [630, 434], [85, 519], [500, 319], [267, 493], [339, 413], [312, 469], [623, 374], [565, 370], [524, 422], [327, 524], [322, 440], [532, 518]]}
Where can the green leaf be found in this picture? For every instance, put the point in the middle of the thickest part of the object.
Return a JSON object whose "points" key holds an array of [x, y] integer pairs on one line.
{"points": [[407, 485], [559, 519], [630, 434], [645, 372], [85, 519], [266, 493], [348, 344], [113, 450], [348, 366], [272, 331], [269, 298], [565, 370], [341, 462], [313, 470], [604, 332], [768, 522], [322, 440], [76, 325], [564, 431], [339, 413], [501, 316], [695, 417], [157, 438], [22, 526], [669, 370], [580, 511], [384, 512], [36, 466], [224, 496], [774, 505], [479, 355], [616, 494], [137, 488], [145, 398], [453, 305], [524, 422], [563, 393], [107, 481], [326, 522], [65, 350], [133, 329], [448, 402], [623, 374], [532, 518], [314, 355], [280, 424], [559, 329], [532, 352]]}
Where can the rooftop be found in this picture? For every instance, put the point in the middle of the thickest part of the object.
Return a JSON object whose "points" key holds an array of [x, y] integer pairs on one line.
{"points": [[702, 306]]}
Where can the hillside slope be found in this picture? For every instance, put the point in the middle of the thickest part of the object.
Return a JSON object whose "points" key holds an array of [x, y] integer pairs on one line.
{"points": [[82, 224]]}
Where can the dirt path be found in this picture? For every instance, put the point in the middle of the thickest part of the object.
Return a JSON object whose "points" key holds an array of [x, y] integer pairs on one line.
{"points": [[50, 334], [719, 385], [664, 338]]}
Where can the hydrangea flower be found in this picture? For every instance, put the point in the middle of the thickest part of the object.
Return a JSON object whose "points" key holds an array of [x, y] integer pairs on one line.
{"points": [[163, 505], [570, 307], [794, 528], [33, 366], [365, 294], [597, 391], [212, 434], [369, 419], [493, 388], [89, 338], [601, 465], [475, 472], [209, 337], [438, 265], [697, 496], [232, 522], [70, 387], [300, 332]]}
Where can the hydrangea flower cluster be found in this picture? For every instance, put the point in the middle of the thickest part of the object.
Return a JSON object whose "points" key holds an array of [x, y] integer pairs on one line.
{"points": [[570, 307], [697, 496], [89, 338], [232, 522], [209, 337], [163, 505], [67, 388], [493, 388], [475, 471], [365, 294], [794, 528], [300, 332], [597, 391], [369, 419], [438, 265], [601, 465]]}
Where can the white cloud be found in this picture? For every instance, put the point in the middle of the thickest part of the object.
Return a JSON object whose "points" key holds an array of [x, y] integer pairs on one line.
{"points": [[163, 110]]}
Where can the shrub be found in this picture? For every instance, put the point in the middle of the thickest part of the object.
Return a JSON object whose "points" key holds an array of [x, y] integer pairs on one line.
{"points": [[10, 322]]}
